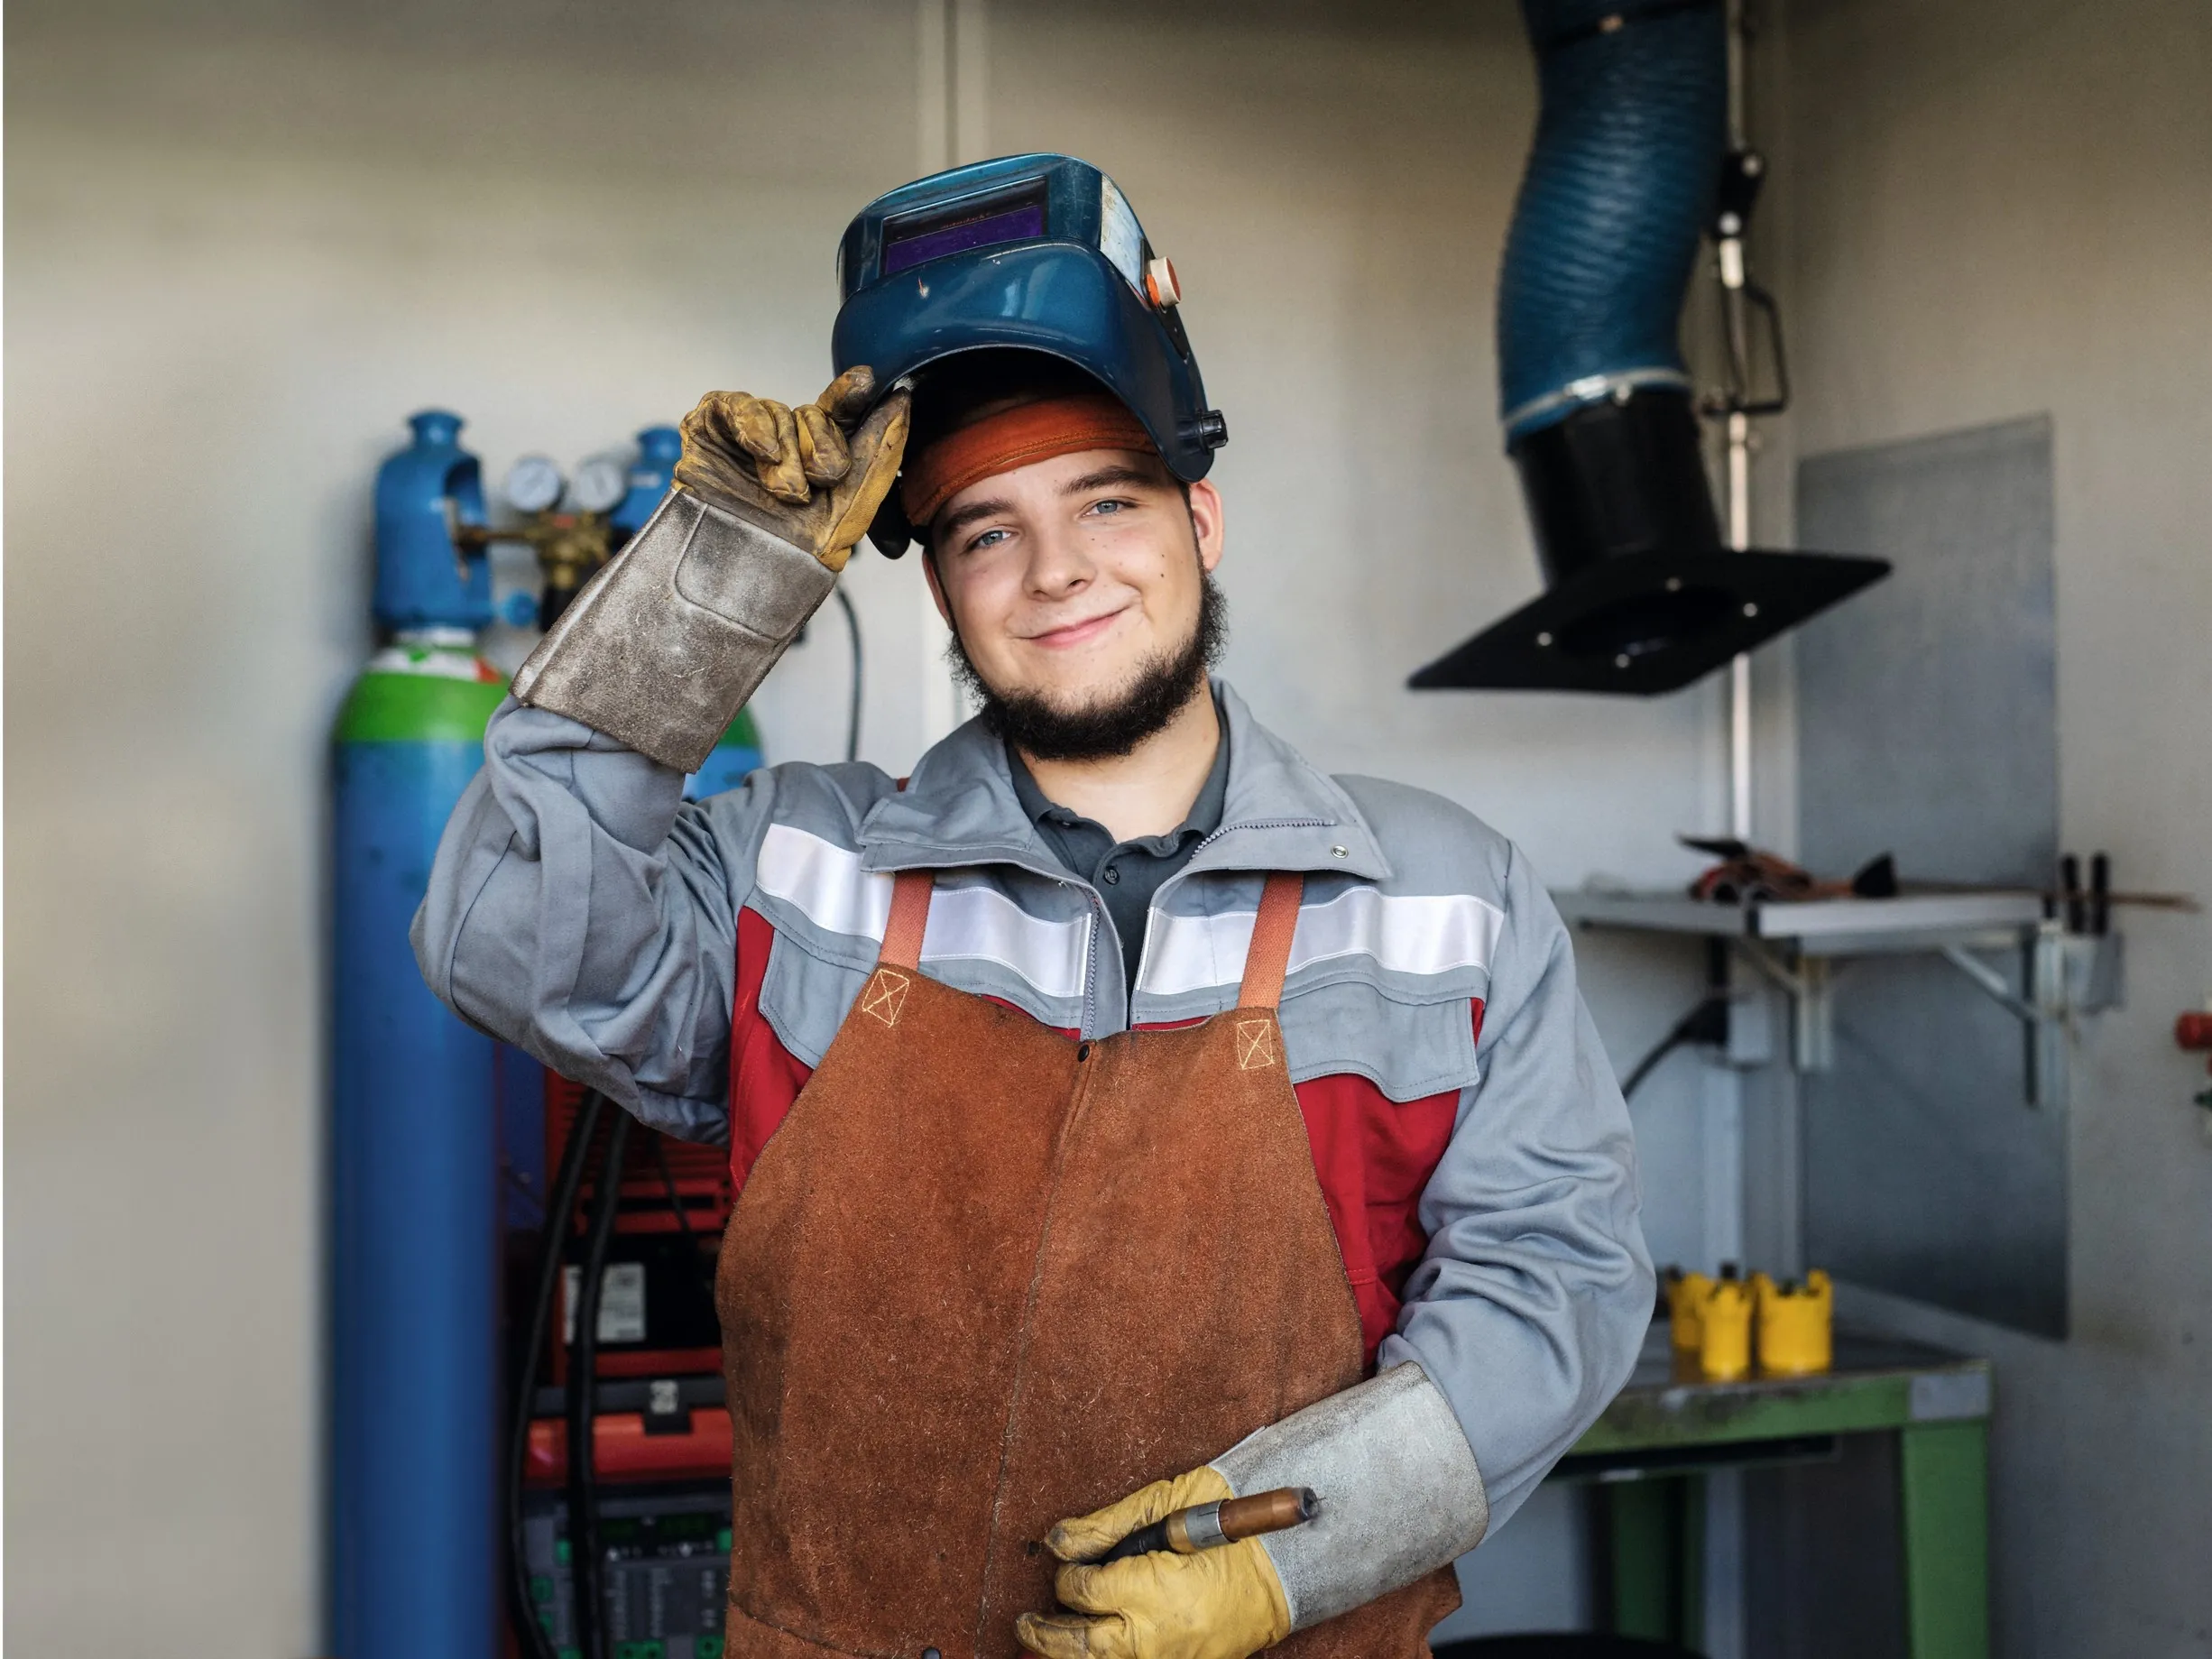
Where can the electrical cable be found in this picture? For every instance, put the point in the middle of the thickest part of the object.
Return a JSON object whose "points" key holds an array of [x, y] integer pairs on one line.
{"points": [[584, 1399], [1708, 1022], [853, 628], [559, 1203], [683, 1219]]}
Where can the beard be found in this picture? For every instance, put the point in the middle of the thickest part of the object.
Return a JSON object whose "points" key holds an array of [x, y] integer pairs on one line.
{"points": [[1163, 685]]}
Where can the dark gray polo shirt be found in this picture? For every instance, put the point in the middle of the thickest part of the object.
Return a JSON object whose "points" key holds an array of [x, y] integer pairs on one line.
{"points": [[1126, 873]]}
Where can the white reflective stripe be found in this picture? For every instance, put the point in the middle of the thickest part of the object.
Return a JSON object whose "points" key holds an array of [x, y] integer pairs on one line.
{"points": [[826, 882], [1191, 953], [1405, 933], [1414, 933], [974, 924]]}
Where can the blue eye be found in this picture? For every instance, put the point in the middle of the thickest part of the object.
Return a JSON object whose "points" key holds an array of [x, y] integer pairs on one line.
{"points": [[988, 538]]}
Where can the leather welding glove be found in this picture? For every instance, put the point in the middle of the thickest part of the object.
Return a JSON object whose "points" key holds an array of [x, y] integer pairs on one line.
{"points": [[815, 473], [1401, 1497], [667, 642], [1221, 1603]]}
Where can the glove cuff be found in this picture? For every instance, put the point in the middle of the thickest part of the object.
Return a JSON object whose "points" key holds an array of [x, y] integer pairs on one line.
{"points": [[664, 646], [1400, 1493]]}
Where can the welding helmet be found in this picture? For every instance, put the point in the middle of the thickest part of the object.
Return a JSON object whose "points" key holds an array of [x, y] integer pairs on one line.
{"points": [[1038, 253]]}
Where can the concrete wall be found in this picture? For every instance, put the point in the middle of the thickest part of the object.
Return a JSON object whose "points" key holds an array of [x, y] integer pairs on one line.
{"points": [[244, 242], [248, 239], [1998, 210]]}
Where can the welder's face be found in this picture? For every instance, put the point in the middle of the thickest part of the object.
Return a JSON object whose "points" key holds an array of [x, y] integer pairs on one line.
{"points": [[1070, 581]]}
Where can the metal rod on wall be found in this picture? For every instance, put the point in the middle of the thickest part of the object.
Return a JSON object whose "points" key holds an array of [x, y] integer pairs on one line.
{"points": [[1739, 459], [952, 64]]}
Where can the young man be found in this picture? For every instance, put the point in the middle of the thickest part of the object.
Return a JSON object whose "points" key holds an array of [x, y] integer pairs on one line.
{"points": [[1125, 1116]]}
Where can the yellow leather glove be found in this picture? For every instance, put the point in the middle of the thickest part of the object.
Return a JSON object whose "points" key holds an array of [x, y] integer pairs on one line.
{"points": [[814, 474], [1216, 1604]]}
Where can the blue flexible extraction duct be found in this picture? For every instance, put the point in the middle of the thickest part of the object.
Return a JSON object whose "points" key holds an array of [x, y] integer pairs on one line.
{"points": [[1618, 192], [1624, 179]]}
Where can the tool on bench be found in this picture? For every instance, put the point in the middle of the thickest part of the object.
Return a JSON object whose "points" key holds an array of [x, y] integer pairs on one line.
{"points": [[1206, 1527], [1796, 1324], [1686, 1295], [1724, 1328]]}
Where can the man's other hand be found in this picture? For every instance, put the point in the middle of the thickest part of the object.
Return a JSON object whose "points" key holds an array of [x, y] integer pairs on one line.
{"points": [[1222, 1603]]}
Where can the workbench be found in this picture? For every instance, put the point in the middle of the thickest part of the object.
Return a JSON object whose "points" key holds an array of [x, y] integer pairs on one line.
{"points": [[1668, 1425]]}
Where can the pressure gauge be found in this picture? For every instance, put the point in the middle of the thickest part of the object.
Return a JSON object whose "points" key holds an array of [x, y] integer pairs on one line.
{"points": [[533, 484], [599, 484]]}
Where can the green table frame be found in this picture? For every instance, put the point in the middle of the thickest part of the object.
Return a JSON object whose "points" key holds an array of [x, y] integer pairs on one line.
{"points": [[1653, 1441]]}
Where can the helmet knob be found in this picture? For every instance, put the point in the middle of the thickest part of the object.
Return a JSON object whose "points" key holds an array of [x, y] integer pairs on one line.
{"points": [[1210, 429], [1160, 282]]}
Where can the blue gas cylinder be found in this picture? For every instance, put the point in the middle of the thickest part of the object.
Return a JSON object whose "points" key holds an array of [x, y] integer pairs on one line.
{"points": [[736, 756], [415, 1136], [423, 494], [658, 450]]}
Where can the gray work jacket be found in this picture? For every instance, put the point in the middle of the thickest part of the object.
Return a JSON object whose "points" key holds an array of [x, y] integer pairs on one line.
{"points": [[579, 909]]}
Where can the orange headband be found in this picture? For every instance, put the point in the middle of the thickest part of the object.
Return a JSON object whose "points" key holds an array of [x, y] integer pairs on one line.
{"points": [[1014, 437]]}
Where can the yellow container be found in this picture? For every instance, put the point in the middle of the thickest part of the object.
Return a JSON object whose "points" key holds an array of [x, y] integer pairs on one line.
{"points": [[1796, 1326], [1724, 1347], [1686, 1293]]}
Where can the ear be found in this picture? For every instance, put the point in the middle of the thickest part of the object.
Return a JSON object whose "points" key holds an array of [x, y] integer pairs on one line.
{"points": [[1207, 519], [936, 588]]}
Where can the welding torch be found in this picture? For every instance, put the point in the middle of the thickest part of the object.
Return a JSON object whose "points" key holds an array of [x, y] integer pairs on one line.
{"points": [[1206, 1527]]}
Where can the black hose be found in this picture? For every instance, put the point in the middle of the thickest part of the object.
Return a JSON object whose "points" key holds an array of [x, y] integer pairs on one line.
{"points": [[583, 1400], [1706, 1023], [560, 1202], [853, 627]]}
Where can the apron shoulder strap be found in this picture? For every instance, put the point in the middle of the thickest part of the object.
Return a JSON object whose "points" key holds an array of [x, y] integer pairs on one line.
{"points": [[909, 918], [1268, 958]]}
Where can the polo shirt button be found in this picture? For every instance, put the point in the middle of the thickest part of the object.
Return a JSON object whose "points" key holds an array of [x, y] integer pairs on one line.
{"points": [[1113, 875]]}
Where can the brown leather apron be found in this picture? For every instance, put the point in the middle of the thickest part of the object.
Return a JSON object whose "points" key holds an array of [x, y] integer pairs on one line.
{"points": [[984, 1276]]}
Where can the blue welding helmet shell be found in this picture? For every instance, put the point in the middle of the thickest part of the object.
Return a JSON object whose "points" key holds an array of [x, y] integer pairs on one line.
{"points": [[1038, 252]]}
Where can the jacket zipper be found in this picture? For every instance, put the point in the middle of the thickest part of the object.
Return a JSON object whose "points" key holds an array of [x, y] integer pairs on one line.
{"points": [[1161, 892], [1098, 906]]}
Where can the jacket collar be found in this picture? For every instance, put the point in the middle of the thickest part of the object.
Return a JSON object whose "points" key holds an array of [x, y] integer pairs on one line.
{"points": [[959, 809]]}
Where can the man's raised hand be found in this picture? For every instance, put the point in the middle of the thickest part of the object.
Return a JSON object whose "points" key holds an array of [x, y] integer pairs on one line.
{"points": [[814, 474]]}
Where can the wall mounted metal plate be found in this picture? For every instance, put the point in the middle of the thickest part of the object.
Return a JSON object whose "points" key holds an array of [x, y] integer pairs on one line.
{"points": [[1927, 727]]}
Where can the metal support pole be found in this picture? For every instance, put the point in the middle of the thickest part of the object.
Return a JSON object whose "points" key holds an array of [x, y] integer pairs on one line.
{"points": [[1813, 1029], [1740, 455], [952, 67], [1740, 669], [2047, 1032], [1715, 1624]]}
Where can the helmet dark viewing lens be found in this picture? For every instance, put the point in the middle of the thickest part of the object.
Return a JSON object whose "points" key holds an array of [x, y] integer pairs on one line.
{"points": [[930, 237]]}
